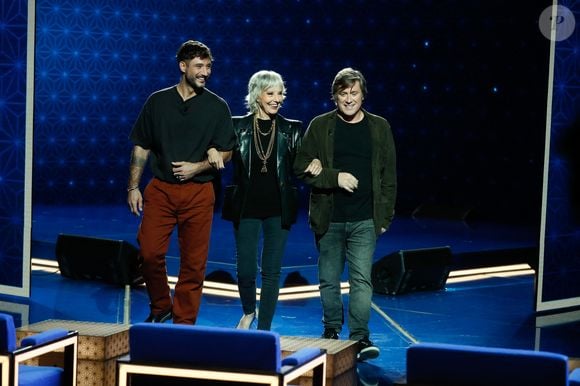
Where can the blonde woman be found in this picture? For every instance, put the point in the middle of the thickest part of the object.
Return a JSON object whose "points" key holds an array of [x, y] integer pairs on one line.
{"points": [[262, 203]]}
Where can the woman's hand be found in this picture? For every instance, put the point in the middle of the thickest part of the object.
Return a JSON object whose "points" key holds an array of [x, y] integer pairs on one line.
{"points": [[314, 168], [215, 159]]}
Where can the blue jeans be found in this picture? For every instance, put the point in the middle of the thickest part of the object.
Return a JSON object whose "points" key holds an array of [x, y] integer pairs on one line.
{"points": [[353, 242], [247, 235]]}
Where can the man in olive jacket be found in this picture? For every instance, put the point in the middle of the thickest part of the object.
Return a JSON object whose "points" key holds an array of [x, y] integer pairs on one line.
{"points": [[348, 158]]}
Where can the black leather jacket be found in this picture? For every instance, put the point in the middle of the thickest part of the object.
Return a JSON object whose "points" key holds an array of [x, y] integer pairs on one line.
{"points": [[288, 141]]}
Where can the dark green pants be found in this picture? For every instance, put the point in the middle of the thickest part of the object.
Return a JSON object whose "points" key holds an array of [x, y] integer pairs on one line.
{"points": [[248, 234]]}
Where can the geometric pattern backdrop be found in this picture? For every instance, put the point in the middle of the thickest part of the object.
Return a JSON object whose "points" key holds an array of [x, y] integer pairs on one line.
{"points": [[463, 85], [13, 39], [561, 266]]}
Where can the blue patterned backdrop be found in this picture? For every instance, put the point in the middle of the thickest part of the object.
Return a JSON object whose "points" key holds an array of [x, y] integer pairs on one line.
{"points": [[462, 83], [13, 26]]}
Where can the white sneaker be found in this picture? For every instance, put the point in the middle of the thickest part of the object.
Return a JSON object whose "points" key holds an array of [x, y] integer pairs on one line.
{"points": [[246, 321]]}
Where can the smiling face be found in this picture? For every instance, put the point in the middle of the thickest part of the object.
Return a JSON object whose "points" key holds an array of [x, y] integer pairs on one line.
{"points": [[349, 102], [269, 101], [196, 71]]}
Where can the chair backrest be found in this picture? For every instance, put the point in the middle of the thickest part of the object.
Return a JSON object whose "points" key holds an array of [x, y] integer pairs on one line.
{"points": [[205, 346], [448, 364], [7, 333]]}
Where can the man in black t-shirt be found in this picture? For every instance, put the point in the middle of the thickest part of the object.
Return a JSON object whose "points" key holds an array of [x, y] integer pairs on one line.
{"points": [[348, 158], [174, 131]]}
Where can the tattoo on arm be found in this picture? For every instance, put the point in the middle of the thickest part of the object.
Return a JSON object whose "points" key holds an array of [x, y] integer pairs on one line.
{"points": [[138, 161]]}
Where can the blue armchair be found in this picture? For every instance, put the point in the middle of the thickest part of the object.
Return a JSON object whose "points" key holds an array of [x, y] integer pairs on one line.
{"points": [[215, 354], [12, 370], [449, 364]]}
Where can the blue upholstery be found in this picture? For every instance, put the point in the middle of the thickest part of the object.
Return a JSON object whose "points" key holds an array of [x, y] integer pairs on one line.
{"points": [[40, 375], [574, 379], [300, 357], [205, 345], [159, 353], [7, 334], [33, 346], [448, 364], [43, 337]]}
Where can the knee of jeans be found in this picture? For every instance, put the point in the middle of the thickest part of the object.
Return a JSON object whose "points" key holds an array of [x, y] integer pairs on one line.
{"points": [[329, 277], [270, 273], [246, 279], [272, 280], [360, 282]]}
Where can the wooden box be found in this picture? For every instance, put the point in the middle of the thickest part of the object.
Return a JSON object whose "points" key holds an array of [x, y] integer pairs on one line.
{"points": [[100, 344], [340, 358]]}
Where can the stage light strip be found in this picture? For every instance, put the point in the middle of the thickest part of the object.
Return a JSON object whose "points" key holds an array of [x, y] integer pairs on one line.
{"points": [[488, 270], [311, 291], [515, 270], [44, 263]]}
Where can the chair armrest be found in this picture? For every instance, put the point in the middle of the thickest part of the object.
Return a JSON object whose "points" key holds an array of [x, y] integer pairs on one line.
{"points": [[302, 356], [574, 378], [69, 342], [45, 343], [44, 337], [307, 360]]}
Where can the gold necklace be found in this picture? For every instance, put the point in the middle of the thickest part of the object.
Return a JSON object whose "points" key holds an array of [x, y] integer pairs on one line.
{"points": [[264, 155]]}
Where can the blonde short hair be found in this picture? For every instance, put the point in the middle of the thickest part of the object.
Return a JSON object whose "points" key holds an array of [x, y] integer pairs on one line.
{"points": [[260, 81]]}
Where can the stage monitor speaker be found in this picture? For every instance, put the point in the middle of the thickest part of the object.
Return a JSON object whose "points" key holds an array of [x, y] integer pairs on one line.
{"points": [[113, 261], [412, 270]]}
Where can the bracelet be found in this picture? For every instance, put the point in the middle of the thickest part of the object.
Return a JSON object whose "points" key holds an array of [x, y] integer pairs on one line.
{"points": [[131, 188]]}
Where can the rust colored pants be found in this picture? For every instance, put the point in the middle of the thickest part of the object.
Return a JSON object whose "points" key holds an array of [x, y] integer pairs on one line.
{"points": [[188, 206]]}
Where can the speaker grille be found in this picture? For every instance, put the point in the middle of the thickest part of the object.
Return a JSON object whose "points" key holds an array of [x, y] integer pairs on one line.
{"points": [[412, 270], [113, 261]]}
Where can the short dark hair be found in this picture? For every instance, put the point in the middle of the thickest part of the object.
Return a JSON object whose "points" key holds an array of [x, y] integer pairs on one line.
{"points": [[193, 49], [346, 78]]}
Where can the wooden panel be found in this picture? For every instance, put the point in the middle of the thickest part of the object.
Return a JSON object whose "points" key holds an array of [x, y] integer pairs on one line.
{"points": [[340, 360], [100, 344]]}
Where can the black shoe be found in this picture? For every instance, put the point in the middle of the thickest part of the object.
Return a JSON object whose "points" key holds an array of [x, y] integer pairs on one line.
{"points": [[159, 318], [367, 350], [330, 333]]}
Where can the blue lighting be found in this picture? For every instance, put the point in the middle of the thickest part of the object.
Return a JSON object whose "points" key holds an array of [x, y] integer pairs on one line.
{"points": [[96, 64]]}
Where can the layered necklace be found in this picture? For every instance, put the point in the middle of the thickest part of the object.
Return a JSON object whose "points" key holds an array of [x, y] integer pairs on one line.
{"points": [[258, 134]]}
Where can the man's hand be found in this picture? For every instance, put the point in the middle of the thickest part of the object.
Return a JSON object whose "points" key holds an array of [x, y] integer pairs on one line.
{"points": [[183, 171], [314, 168], [347, 181], [139, 157], [215, 158], [135, 201]]}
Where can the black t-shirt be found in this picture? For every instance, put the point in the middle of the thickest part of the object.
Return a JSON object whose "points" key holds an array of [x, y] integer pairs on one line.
{"points": [[263, 199], [178, 130], [352, 154]]}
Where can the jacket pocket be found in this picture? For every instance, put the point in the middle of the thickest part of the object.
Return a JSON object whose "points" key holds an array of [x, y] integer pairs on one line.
{"points": [[383, 218], [319, 212]]}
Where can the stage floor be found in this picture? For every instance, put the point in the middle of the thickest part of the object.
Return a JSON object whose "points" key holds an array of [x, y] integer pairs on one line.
{"points": [[472, 243], [496, 309]]}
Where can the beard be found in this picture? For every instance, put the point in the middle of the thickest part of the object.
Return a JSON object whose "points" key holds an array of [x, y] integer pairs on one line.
{"points": [[194, 83]]}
